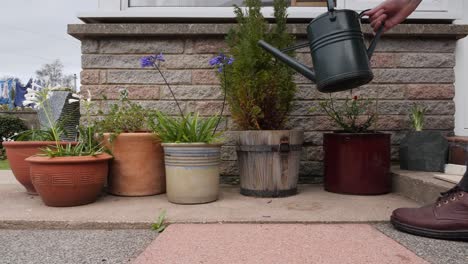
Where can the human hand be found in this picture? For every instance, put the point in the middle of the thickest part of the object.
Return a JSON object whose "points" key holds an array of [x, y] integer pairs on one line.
{"points": [[392, 12]]}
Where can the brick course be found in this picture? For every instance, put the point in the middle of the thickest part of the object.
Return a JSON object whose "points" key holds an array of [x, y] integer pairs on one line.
{"points": [[407, 70]]}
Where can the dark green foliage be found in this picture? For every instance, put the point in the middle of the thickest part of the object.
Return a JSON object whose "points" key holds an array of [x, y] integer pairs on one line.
{"points": [[190, 129], [9, 125], [259, 88]]}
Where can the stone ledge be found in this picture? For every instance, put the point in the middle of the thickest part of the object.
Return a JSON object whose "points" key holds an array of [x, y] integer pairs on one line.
{"points": [[83, 31], [419, 186]]}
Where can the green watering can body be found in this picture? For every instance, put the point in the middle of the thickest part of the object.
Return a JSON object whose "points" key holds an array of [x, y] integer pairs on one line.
{"points": [[340, 57]]}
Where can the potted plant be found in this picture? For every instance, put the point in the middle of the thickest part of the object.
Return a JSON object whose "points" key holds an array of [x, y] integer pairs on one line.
{"points": [[68, 175], [422, 150], [191, 146], [138, 165], [26, 143], [356, 158], [192, 157], [260, 91]]}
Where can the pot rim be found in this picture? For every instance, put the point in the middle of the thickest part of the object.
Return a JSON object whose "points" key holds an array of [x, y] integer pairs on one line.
{"points": [[361, 133], [129, 133], [35, 143], [192, 145], [62, 160]]}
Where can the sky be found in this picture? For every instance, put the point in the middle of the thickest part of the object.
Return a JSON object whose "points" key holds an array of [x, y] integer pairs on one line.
{"points": [[34, 32]]}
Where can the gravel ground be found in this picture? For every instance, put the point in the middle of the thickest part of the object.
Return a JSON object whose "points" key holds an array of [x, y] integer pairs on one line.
{"points": [[72, 246], [433, 250]]}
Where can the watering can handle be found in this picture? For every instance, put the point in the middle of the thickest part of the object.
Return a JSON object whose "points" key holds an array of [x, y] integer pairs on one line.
{"points": [[376, 38]]}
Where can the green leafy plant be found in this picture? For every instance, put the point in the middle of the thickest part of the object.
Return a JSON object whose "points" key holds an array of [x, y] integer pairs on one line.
{"points": [[259, 89], [188, 129], [160, 224], [417, 116], [10, 126], [353, 115], [87, 144], [124, 116]]}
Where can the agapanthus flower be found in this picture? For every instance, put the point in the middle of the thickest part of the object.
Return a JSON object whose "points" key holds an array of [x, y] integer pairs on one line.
{"points": [[150, 61], [221, 60]]}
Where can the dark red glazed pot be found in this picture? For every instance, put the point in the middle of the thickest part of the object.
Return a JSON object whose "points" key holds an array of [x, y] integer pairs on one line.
{"points": [[357, 163]]}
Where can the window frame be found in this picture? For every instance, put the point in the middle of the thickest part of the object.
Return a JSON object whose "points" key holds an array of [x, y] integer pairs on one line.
{"points": [[120, 8]]}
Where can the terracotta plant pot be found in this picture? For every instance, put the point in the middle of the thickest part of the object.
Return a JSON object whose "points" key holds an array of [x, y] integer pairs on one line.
{"points": [[17, 152], [357, 163], [192, 171], [138, 165], [69, 181]]}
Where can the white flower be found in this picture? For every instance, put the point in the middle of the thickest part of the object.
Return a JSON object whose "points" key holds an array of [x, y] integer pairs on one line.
{"points": [[77, 96], [27, 102], [89, 96], [15, 134]]}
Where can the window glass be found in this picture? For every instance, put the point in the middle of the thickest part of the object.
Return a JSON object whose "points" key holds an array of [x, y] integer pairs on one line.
{"points": [[182, 3]]}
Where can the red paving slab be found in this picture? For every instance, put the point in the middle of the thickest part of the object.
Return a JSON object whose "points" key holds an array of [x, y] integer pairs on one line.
{"points": [[274, 244]]}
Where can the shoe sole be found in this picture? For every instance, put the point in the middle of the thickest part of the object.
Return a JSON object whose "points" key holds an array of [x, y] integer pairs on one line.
{"points": [[461, 235]]}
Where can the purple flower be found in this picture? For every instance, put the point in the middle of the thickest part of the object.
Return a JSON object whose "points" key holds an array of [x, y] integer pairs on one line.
{"points": [[160, 57], [150, 61], [147, 61], [221, 60]]}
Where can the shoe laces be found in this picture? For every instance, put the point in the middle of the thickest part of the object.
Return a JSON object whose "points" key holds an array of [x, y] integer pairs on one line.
{"points": [[450, 195]]}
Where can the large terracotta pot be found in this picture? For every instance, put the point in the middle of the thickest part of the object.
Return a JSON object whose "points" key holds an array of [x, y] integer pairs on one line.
{"points": [[138, 165], [17, 152], [192, 171], [69, 181], [357, 163]]}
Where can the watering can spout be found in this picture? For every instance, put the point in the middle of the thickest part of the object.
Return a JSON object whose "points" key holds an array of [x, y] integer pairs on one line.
{"points": [[299, 67]]}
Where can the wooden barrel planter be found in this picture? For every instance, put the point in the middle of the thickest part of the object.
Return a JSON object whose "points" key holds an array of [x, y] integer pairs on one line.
{"points": [[269, 162]]}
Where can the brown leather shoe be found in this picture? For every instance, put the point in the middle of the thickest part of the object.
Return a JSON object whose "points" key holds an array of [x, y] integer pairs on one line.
{"points": [[447, 218]]}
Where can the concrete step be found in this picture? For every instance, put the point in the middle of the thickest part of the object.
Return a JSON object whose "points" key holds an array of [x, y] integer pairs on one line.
{"points": [[421, 187], [311, 205]]}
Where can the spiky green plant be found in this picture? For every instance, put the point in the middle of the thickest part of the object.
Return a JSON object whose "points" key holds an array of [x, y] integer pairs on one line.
{"points": [[417, 116], [259, 88], [188, 129]]}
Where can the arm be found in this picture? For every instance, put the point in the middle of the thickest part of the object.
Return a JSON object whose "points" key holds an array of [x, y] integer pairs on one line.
{"points": [[393, 12]]}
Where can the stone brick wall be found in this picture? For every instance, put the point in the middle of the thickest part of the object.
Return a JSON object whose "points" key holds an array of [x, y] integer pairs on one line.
{"points": [[407, 69]]}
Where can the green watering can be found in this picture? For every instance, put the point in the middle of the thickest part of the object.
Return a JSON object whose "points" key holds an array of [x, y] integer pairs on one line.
{"points": [[339, 54]]}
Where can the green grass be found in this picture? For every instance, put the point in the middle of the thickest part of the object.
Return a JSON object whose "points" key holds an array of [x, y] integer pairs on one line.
{"points": [[4, 165]]}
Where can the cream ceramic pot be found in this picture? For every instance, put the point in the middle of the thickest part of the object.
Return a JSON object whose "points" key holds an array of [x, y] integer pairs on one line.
{"points": [[192, 172]]}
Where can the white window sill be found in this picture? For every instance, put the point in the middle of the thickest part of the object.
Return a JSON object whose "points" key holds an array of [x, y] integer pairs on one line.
{"points": [[200, 13]]}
